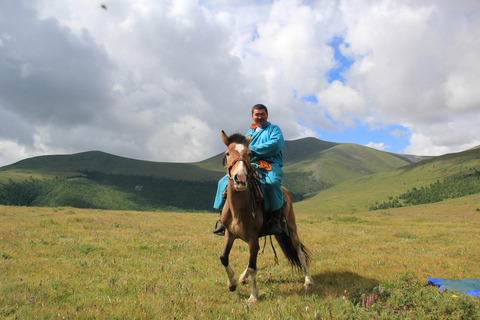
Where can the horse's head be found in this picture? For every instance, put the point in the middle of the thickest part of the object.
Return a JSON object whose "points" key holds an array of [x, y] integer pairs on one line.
{"points": [[236, 159]]}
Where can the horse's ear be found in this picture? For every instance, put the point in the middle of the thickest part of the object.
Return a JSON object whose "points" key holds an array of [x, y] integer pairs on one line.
{"points": [[224, 138], [248, 139]]}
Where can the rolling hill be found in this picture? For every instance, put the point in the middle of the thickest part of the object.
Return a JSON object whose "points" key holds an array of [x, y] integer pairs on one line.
{"points": [[358, 194], [76, 164], [327, 176]]}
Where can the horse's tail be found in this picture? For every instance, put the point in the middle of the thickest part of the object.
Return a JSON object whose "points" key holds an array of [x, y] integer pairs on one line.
{"points": [[290, 251]]}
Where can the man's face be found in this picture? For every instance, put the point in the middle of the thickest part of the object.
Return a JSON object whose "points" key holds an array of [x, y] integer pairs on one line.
{"points": [[260, 117]]}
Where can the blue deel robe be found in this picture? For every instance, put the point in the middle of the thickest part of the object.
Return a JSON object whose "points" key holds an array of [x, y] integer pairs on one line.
{"points": [[266, 144]]}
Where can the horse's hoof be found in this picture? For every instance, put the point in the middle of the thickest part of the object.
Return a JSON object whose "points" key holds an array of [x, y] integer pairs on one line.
{"points": [[308, 282], [232, 288], [252, 300]]}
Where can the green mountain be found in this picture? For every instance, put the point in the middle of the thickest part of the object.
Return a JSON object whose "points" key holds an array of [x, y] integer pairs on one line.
{"points": [[343, 162], [76, 164], [100, 180], [293, 151], [360, 193]]}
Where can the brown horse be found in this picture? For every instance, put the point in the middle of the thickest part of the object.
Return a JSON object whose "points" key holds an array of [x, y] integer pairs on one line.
{"points": [[242, 217]]}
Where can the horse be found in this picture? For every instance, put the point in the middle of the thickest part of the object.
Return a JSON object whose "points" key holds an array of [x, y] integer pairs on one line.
{"points": [[242, 217]]}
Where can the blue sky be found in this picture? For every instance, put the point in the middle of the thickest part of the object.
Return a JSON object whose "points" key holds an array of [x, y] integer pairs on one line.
{"points": [[391, 138], [342, 63], [387, 141]]}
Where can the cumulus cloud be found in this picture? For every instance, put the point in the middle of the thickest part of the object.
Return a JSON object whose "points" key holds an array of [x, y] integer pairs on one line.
{"points": [[398, 133], [342, 103], [410, 64], [445, 137], [158, 80], [48, 74], [379, 146]]}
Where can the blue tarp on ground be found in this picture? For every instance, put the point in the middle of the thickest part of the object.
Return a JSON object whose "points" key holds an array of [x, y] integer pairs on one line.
{"points": [[467, 286]]}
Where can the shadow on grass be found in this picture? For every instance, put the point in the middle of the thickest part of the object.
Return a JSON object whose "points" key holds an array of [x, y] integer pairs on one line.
{"points": [[329, 284], [340, 283]]}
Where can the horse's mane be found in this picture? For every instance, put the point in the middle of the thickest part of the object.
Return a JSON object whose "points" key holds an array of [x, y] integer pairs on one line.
{"points": [[234, 138]]}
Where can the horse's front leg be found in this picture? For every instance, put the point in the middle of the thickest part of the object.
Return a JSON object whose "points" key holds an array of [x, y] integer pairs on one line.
{"points": [[251, 270], [244, 276], [232, 281]]}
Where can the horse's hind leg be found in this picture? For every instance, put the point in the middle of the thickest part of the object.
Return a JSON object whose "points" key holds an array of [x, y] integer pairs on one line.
{"points": [[303, 256], [232, 281], [303, 260], [302, 252]]}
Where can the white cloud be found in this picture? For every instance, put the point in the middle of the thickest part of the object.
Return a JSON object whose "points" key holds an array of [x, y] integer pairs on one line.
{"points": [[398, 133], [185, 141], [158, 80], [379, 146], [423, 145], [445, 137], [11, 152], [461, 89], [342, 103], [415, 66]]}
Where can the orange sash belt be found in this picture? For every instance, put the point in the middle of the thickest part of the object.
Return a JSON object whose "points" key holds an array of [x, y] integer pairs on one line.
{"points": [[264, 165]]}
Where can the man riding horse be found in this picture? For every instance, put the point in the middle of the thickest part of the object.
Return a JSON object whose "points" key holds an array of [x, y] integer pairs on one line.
{"points": [[266, 148]]}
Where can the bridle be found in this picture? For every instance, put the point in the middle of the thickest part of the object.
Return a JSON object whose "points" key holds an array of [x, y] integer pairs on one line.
{"points": [[234, 162], [253, 182]]}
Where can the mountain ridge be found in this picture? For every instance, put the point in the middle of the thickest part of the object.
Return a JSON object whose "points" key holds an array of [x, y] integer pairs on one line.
{"points": [[359, 193], [321, 158], [312, 167]]}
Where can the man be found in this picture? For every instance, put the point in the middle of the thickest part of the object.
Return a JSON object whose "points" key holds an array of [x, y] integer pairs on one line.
{"points": [[266, 148]]}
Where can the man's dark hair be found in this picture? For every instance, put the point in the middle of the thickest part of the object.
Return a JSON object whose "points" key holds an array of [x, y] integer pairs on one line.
{"points": [[259, 107]]}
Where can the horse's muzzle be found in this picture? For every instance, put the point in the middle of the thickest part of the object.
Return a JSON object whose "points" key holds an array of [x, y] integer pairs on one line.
{"points": [[240, 182]]}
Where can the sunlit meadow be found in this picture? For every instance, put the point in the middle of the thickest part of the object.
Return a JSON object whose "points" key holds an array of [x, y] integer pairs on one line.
{"points": [[72, 263]]}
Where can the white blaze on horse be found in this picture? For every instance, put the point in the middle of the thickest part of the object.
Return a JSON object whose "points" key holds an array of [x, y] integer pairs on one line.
{"points": [[243, 218]]}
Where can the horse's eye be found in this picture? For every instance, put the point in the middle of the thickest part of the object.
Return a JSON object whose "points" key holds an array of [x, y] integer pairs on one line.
{"points": [[249, 154], [227, 154]]}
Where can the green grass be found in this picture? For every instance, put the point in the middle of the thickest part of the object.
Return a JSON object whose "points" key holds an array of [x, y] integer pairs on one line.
{"points": [[19, 175], [74, 263]]}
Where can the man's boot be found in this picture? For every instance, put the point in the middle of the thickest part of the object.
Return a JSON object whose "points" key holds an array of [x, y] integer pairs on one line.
{"points": [[274, 226], [219, 229]]}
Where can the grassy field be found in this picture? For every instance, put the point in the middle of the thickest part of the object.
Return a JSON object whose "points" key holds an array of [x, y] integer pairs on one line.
{"points": [[64, 263]]}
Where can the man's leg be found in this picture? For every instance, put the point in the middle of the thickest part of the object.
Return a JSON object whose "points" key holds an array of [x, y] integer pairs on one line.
{"points": [[219, 203], [273, 188], [274, 226]]}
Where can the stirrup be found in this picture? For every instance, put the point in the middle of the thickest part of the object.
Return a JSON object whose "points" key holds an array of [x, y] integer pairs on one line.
{"points": [[219, 229]]}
